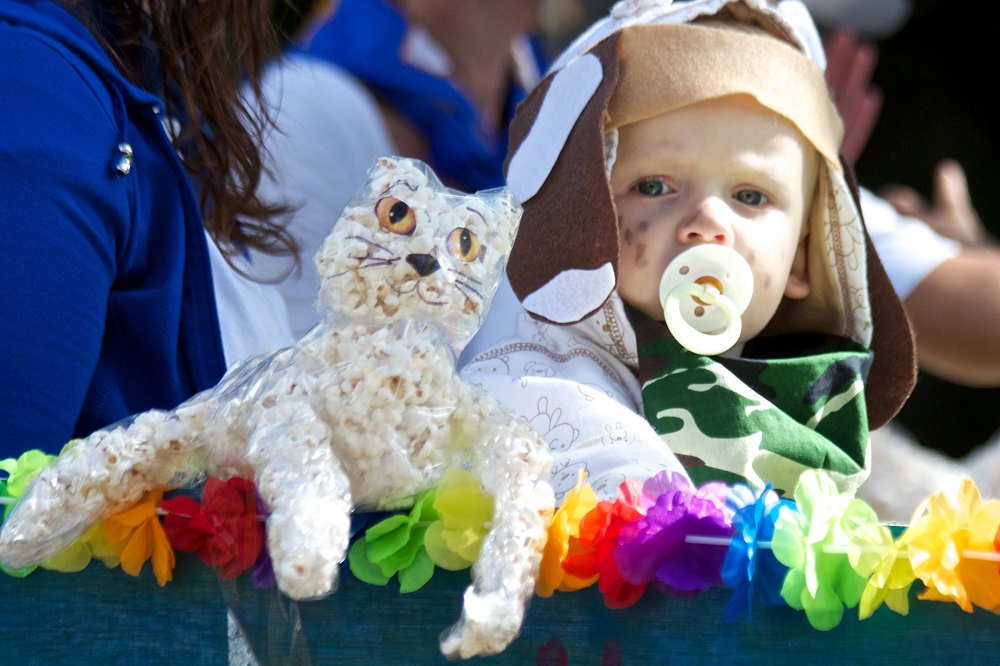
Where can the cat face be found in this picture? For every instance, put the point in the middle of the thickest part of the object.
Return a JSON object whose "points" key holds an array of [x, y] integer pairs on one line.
{"points": [[408, 247]]}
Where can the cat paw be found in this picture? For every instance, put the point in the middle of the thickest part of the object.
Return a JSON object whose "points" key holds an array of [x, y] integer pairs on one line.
{"points": [[306, 552], [47, 519], [304, 579], [490, 622]]}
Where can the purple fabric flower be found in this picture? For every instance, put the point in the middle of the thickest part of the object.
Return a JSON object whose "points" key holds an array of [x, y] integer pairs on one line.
{"points": [[655, 548], [262, 572]]}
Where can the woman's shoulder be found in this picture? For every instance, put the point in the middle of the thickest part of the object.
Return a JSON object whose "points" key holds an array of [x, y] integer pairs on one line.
{"points": [[299, 78], [57, 79]]}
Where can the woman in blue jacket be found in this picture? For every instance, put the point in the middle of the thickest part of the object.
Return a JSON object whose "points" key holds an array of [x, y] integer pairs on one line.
{"points": [[128, 166]]}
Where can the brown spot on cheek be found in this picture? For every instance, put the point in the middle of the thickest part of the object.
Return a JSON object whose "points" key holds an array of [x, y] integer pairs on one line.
{"points": [[640, 250], [640, 255], [628, 236]]}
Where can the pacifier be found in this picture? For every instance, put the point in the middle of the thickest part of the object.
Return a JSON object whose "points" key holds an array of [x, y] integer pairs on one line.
{"points": [[704, 291]]}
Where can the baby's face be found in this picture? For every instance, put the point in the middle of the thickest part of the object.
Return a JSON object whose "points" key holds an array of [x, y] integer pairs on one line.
{"points": [[723, 171]]}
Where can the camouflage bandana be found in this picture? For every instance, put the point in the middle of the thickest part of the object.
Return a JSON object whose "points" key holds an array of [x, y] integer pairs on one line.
{"points": [[759, 420]]}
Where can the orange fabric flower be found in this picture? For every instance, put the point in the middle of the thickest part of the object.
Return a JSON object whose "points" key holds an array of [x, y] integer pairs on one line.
{"points": [[565, 530], [136, 535]]}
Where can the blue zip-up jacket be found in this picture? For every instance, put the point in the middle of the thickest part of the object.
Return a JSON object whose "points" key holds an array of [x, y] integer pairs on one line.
{"points": [[106, 299]]}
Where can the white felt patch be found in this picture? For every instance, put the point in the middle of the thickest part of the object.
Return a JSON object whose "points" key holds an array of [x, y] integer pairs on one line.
{"points": [[572, 295], [568, 95]]}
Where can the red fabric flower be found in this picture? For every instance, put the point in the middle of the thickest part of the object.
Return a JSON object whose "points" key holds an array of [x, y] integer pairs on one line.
{"points": [[593, 552], [224, 529]]}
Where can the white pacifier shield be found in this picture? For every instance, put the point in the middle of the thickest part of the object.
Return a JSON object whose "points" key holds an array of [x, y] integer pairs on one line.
{"points": [[705, 289]]}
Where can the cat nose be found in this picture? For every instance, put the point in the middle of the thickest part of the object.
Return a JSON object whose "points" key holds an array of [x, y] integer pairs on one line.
{"points": [[423, 264]]}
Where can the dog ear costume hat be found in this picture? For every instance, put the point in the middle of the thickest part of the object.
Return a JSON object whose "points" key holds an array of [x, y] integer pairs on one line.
{"points": [[649, 57]]}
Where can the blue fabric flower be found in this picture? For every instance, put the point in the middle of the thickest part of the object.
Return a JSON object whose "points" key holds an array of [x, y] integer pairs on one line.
{"points": [[752, 571]]}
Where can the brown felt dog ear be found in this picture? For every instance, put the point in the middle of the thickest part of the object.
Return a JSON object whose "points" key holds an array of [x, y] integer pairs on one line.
{"points": [[564, 263], [894, 353]]}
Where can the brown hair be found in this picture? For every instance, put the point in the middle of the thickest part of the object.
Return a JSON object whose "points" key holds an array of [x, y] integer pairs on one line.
{"points": [[205, 49]]}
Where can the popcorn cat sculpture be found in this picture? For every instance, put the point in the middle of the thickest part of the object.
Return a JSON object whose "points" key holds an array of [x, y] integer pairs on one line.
{"points": [[366, 411]]}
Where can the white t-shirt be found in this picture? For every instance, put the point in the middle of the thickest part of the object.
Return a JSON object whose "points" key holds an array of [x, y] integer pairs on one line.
{"points": [[328, 133], [908, 248], [252, 316]]}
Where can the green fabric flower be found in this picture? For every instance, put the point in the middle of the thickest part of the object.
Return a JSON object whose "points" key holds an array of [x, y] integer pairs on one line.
{"points": [[453, 541], [814, 544], [395, 546], [20, 473]]}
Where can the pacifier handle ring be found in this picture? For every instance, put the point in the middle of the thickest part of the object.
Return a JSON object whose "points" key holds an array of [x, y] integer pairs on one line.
{"points": [[694, 340]]}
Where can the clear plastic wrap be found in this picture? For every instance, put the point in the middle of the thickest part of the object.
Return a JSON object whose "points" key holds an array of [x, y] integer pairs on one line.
{"points": [[365, 412]]}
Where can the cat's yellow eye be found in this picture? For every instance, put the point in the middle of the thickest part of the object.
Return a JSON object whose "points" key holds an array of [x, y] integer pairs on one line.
{"points": [[464, 244], [395, 216]]}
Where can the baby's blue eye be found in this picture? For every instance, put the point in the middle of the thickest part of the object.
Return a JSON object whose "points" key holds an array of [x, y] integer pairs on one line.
{"points": [[652, 188], [751, 198]]}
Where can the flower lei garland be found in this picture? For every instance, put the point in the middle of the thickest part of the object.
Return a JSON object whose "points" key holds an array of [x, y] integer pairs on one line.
{"points": [[822, 553]]}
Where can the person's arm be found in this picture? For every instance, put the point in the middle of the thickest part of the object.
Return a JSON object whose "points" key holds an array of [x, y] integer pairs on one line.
{"points": [[57, 240], [951, 293], [955, 309], [955, 313]]}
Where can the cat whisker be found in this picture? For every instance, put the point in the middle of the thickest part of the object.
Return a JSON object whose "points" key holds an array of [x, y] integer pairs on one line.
{"points": [[469, 292], [468, 289], [370, 242], [372, 262], [464, 277]]}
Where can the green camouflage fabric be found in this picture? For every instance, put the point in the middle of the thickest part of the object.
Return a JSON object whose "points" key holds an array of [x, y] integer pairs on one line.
{"points": [[761, 420]]}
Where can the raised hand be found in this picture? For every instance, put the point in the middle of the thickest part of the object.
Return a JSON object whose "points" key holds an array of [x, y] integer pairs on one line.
{"points": [[950, 213], [850, 63]]}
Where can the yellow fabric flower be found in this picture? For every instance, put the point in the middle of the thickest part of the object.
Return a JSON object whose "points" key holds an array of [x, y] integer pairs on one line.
{"points": [[947, 531], [883, 561], [565, 528], [464, 516], [136, 535], [78, 556]]}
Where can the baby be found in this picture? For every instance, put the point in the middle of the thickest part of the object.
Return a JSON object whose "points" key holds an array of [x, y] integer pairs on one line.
{"points": [[706, 125]]}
